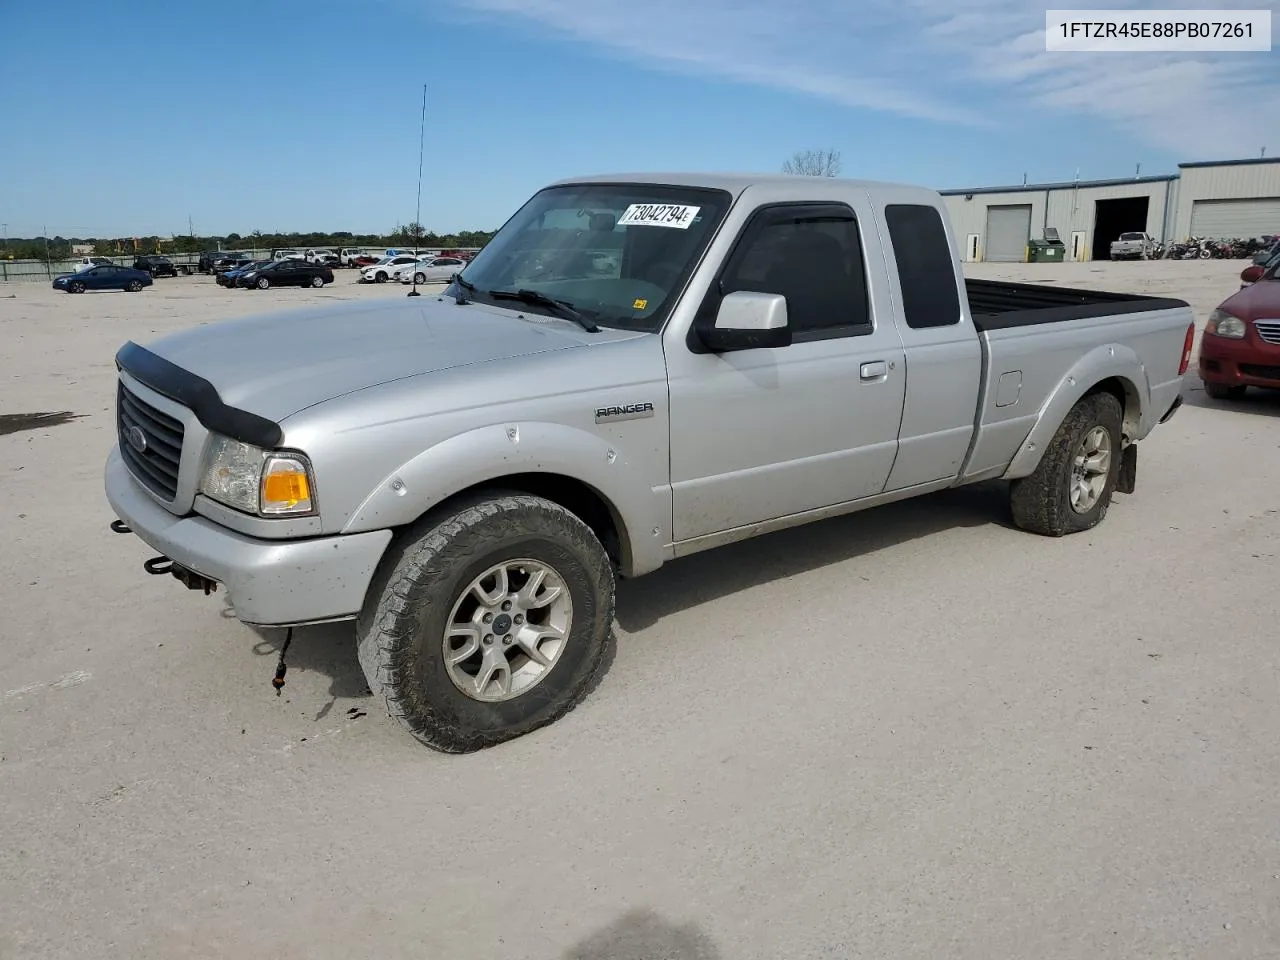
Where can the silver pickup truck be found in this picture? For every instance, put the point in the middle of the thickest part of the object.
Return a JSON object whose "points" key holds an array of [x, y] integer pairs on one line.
{"points": [[1132, 246], [634, 369]]}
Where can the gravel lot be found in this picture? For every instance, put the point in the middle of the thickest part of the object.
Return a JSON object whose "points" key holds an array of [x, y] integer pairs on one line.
{"points": [[914, 732]]}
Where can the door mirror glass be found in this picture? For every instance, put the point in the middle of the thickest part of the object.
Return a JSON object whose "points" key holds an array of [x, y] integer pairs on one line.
{"points": [[749, 321], [1251, 274]]}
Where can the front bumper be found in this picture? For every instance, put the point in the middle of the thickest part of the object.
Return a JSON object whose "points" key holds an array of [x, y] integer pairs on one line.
{"points": [[1239, 363], [270, 582]]}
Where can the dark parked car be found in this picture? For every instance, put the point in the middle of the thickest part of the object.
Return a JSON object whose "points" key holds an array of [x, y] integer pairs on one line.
{"points": [[286, 273], [155, 265], [104, 277], [215, 260], [1267, 253], [227, 278]]}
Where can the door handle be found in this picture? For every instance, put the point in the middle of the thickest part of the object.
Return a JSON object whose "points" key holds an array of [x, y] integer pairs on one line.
{"points": [[873, 370]]}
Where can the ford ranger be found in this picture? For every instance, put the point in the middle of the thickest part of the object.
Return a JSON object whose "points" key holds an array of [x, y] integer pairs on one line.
{"points": [[634, 369], [1132, 246]]}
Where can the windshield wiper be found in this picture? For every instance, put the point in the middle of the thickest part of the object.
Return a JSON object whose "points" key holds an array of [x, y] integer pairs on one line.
{"points": [[560, 307]]}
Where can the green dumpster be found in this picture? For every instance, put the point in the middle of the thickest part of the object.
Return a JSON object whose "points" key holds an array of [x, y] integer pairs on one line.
{"points": [[1045, 251]]}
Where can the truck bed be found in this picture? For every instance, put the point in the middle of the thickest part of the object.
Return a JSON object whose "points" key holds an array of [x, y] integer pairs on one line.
{"points": [[999, 305]]}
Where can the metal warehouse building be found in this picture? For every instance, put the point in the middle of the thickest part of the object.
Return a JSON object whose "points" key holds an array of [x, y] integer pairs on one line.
{"points": [[1220, 199]]}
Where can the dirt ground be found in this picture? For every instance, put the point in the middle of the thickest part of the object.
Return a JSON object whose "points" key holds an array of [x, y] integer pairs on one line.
{"points": [[914, 732]]}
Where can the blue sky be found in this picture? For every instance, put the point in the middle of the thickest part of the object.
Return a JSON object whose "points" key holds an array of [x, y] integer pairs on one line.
{"points": [[125, 119]]}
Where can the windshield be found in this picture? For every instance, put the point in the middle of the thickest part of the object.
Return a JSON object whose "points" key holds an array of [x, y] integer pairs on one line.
{"points": [[618, 253]]}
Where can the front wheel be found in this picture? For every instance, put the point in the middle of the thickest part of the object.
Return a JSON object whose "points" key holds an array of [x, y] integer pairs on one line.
{"points": [[317, 282], [1071, 488], [75, 286], [263, 283], [381, 277], [419, 278], [488, 623], [134, 286], [1224, 391]]}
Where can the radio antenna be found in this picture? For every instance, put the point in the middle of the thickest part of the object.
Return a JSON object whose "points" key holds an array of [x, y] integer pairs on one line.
{"points": [[417, 217]]}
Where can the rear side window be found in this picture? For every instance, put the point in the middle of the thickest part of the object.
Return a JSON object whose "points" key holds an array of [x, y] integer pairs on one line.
{"points": [[926, 269]]}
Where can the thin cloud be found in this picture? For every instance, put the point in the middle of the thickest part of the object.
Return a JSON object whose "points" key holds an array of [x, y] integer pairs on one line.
{"points": [[934, 60]]}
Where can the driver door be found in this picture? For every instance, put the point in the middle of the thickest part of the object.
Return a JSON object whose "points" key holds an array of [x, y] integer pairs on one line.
{"points": [[762, 434]]}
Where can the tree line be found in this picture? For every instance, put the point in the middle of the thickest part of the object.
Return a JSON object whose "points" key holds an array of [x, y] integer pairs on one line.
{"points": [[403, 235], [812, 163]]}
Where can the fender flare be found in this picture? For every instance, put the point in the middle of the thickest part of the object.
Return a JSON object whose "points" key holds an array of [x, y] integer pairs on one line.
{"points": [[1109, 361], [488, 454]]}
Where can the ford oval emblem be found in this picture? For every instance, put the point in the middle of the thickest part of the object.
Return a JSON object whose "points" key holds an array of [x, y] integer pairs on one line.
{"points": [[137, 439]]}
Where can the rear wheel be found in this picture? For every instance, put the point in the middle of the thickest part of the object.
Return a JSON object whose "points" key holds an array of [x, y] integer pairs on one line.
{"points": [[1223, 391], [488, 623], [317, 281], [134, 286], [263, 283], [1071, 488]]}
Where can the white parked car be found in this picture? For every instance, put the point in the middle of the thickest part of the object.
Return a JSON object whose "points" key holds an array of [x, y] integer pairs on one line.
{"points": [[385, 269], [288, 255], [347, 255], [321, 256], [430, 270], [88, 263]]}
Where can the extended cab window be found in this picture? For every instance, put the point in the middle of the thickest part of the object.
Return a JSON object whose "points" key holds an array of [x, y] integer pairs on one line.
{"points": [[812, 255], [926, 269]]}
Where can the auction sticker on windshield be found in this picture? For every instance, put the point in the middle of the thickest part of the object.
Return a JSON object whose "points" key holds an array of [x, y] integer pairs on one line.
{"points": [[658, 215]]}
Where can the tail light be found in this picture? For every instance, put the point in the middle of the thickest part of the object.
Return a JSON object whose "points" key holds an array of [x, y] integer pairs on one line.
{"points": [[1186, 349]]}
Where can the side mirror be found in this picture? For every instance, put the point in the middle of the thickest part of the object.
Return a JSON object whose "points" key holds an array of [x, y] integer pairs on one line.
{"points": [[1251, 274], [749, 321]]}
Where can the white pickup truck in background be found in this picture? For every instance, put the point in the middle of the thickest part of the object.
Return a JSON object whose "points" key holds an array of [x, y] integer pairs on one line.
{"points": [[636, 368], [1132, 246]]}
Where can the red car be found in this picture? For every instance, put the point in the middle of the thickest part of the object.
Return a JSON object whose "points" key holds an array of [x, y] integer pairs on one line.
{"points": [[1241, 343]]}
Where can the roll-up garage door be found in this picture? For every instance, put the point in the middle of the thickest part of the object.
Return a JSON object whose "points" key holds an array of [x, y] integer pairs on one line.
{"points": [[1008, 231], [1228, 219]]}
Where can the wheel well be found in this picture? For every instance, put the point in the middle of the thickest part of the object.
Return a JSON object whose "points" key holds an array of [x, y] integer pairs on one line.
{"points": [[1127, 396], [583, 501]]}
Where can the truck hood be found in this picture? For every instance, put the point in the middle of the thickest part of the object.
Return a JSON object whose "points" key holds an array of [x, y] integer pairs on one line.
{"points": [[278, 364]]}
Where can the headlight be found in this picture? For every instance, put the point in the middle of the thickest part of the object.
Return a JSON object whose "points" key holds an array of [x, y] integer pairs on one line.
{"points": [[257, 481], [1223, 324]]}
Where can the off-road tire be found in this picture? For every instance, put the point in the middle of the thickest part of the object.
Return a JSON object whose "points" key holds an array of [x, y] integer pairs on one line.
{"points": [[1041, 502], [400, 632], [1224, 391]]}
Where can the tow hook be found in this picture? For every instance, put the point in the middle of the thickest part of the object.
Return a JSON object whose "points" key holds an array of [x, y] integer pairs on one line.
{"points": [[159, 566], [118, 526]]}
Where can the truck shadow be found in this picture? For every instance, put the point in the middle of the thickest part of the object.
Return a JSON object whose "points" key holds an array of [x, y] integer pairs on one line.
{"points": [[690, 581], [329, 649], [643, 935]]}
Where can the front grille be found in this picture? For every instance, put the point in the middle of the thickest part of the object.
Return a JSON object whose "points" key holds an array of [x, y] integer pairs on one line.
{"points": [[1268, 330], [156, 465], [1260, 371]]}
